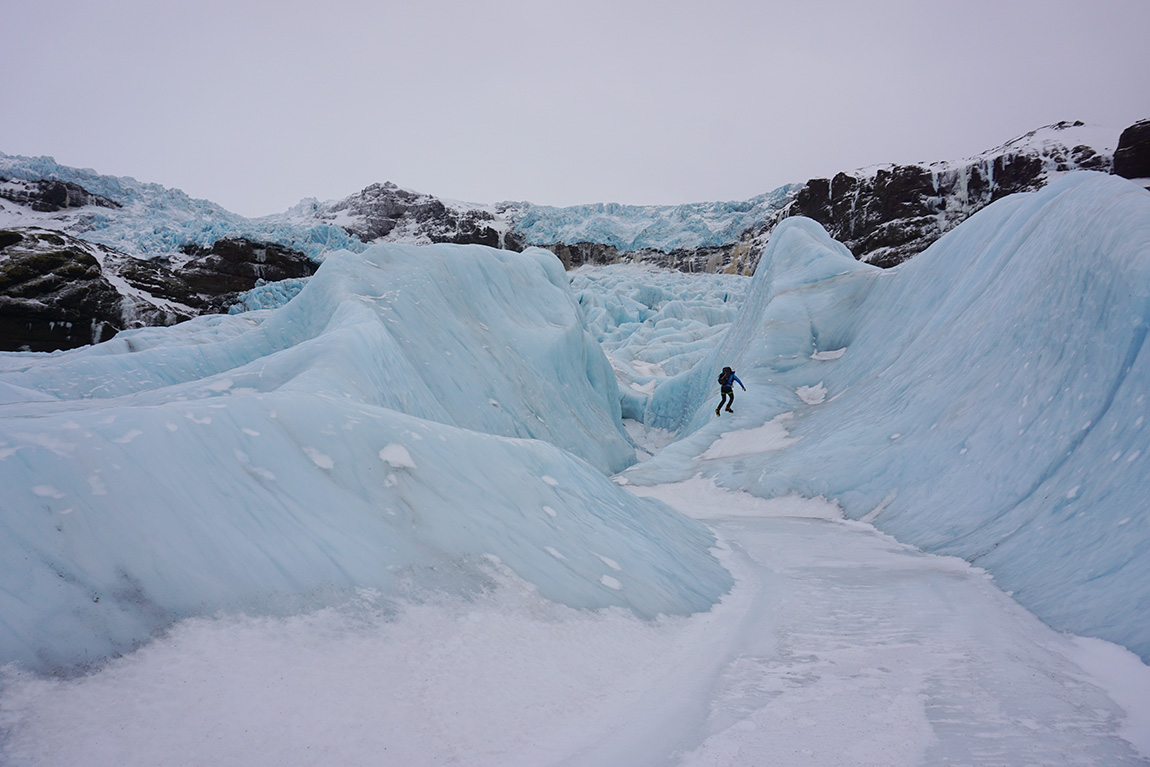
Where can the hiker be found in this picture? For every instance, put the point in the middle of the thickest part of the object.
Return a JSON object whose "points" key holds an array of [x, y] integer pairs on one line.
{"points": [[727, 389]]}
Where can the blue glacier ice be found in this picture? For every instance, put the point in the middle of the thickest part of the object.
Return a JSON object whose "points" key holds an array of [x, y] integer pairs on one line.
{"points": [[657, 227], [411, 419], [653, 323], [986, 399], [268, 295], [417, 418], [156, 221]]}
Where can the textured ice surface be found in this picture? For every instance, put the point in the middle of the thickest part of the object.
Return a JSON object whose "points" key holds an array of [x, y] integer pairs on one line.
{"points": [[655, 323], [414, 417], [155, 221], [991, 401], [158, 221], [659, 227]]}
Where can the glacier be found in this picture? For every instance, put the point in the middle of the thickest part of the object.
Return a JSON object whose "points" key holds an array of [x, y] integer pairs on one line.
{"points": [[653, 322], [155, 221], [411, 418], [410, 505], [655, 227], [986, 399]]}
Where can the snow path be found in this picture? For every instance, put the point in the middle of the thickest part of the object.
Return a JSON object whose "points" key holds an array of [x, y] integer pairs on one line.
{"points": [[837, 646], [856, 649]]}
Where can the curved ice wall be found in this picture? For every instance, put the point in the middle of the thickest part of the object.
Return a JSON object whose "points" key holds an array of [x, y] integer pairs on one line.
{"points": [[986, 399], [416, 418]]}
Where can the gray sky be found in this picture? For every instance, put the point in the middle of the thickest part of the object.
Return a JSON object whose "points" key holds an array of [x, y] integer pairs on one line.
{"points": [[255, 105]]}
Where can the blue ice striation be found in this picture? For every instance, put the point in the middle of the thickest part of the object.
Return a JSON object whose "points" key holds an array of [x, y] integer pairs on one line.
{"points": [[986, 399], [418, 419], [414, 419]]}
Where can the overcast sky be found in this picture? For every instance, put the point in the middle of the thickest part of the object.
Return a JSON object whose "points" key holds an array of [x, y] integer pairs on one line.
{"points": [[256, 105]]}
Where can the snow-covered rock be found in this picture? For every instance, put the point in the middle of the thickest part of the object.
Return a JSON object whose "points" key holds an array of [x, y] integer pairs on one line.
{"points": [[887, 214], [387, 213]]}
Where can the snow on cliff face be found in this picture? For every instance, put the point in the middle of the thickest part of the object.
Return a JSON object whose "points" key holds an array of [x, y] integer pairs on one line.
{"points": [[886, 214], [152, 220], [987, 399], [385, 430]]}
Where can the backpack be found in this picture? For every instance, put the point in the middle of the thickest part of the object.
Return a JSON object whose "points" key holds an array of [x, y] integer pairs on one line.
{"points": [[725, 377]]}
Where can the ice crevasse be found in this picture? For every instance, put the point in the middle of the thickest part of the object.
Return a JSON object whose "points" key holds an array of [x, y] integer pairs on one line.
{"points": [[986, 399]]}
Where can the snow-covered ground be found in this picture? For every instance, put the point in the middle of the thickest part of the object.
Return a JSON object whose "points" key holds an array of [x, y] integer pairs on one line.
{"points": [[392, 521], [838, 645]]}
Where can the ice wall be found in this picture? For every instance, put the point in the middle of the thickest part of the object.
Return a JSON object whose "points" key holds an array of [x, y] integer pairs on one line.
{"points": [[365, 435], [986, 399], [654, 323]]}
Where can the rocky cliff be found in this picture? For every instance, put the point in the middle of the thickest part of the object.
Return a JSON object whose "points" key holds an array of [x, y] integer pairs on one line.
{"points": [[1132, 157], [385, 211], [59, 292], [887, 214]]}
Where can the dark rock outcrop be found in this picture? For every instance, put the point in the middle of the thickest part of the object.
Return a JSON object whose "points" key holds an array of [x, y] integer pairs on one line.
{"points": [[383, 210], [732, 258], [896, 212], [60, 292], [49, 196], [1132, 157], [53, 293], [231, 266]]}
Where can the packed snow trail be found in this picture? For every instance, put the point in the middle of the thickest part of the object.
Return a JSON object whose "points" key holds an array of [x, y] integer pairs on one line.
{"points": [[837, 646], [856, 649]]}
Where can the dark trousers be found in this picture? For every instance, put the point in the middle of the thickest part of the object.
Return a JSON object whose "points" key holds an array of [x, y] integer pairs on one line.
{"points": [[723, 399]]}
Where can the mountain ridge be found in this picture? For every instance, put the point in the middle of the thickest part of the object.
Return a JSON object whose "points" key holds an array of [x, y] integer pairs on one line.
{"points": [[175, 257]]}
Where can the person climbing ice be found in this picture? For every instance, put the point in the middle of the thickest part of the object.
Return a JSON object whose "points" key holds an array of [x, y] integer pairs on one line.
{"points": [[727, 380]]}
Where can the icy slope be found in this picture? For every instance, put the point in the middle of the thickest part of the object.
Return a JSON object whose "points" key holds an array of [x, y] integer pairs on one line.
{"points": [[362, 436], [990, 401]]}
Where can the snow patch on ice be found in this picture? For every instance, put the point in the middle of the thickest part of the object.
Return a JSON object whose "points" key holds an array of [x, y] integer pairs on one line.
{"points": [[319, 458], [771, 436], [397, 457], [812, 395], [702, 498], [47, 491], [829, 355], [611, 583]]}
